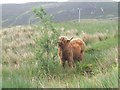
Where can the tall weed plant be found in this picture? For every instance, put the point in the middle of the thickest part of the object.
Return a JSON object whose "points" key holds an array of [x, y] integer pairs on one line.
{"points": [[46, 45]]}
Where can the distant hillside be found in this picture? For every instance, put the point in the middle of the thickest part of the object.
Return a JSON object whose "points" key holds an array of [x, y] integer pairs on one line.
{"points": [[21, 14]]}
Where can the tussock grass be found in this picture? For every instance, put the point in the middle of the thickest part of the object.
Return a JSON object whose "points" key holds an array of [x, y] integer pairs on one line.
{"points": [[17, 43]]}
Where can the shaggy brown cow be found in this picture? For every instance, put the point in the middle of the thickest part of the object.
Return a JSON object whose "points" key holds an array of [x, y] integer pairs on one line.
{"points": [[70, 50]]}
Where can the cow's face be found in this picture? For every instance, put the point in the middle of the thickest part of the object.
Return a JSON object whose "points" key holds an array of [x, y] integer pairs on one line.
{"points": [[63, 41]]}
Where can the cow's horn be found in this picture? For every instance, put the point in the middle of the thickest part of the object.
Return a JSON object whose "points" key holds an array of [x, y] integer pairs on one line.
{"points": [[71, 38]]}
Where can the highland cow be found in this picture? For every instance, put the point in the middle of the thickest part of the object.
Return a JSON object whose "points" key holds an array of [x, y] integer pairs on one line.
{"points": [[70, 50]]}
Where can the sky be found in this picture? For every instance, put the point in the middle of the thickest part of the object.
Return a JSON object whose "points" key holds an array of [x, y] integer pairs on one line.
{"points": [[25, 1]]}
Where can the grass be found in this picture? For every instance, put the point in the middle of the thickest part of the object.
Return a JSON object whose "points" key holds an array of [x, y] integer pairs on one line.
{"points": [[13, 79], [91, 26], [99, 69]]}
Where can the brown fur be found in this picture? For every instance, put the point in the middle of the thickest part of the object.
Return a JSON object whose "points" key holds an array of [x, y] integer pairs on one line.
{"points": [[70, 50]]}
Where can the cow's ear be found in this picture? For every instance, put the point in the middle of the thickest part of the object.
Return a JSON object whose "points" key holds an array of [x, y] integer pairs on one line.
{"points": [[69, 39]]}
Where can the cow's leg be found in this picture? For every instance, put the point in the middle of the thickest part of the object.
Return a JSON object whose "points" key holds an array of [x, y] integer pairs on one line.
{"points": [[71, 63], [62, 62], [81, 55]]}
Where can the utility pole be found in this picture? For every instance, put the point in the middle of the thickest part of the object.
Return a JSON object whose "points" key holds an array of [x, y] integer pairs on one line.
{"points": [[79, 9]]}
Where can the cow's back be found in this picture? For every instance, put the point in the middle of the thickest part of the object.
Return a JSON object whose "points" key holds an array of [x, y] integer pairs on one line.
{"points": [[77, 47]]}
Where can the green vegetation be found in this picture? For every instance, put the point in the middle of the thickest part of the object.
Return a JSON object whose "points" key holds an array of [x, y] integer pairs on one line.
{"points": [[30, 55]]}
